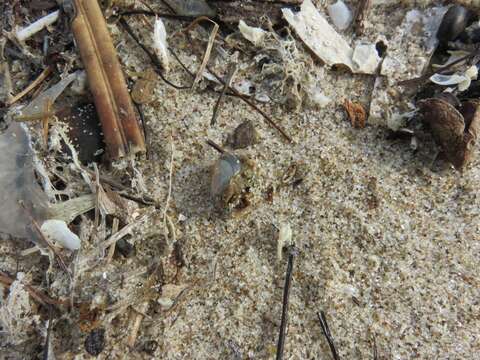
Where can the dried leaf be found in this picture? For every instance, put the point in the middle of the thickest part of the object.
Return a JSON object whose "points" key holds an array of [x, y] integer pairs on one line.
{"points": [[356, 114], [448, 128]]}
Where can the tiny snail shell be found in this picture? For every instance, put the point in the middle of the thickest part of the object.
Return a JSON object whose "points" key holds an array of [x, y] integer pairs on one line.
{"points": [[226, 167], [453, 23]]}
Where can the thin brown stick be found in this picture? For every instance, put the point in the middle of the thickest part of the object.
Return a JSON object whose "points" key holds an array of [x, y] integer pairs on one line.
{"points": [[111, 249], [215, 146], [426, 76], [228, 82], [361, 15], [251, 104], [43, 75]]}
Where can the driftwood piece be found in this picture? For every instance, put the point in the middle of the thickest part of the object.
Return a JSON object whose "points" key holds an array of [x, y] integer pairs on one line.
{"points": [[121, 129]]}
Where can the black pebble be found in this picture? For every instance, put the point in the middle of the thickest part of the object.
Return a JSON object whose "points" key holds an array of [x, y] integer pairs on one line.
{"points": [[95, 342]]}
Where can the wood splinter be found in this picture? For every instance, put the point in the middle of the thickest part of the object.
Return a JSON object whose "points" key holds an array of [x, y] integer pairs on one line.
{"points": [[121, 129]]}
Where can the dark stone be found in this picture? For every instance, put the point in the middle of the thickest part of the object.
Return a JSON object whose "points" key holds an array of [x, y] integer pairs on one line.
{"points": [[95, 342]]}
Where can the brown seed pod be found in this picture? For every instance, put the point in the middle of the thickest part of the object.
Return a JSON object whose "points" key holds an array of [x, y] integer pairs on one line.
{"points": [[454, 131]]}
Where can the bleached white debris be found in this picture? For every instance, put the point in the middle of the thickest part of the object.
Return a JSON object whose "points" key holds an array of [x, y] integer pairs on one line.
{"points": [[340, 14], [160, 43], [26, 32], [58, 232], [317, 97], [319, 35], [284, 238], [463, 81], [253, 34], [365, 58], [447, 80]]}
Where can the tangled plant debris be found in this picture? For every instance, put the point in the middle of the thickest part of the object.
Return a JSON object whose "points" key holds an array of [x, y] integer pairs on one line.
{"points": [[124, 235]]}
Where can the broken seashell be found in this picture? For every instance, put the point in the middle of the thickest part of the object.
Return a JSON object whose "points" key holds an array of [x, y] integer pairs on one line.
{"points": [[366, 59], [455, 132], [319, 35], [340, 14], [253, 34]]}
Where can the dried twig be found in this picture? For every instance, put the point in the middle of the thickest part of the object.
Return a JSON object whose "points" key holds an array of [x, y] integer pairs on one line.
{"points": [[215, 146], [211, 40], [328, 335], [251, 104], [286, 295], [228, 82], [420, 79], [153, 57], [361, 15], [111, 250], [114, 106], [139, 315], [43, 75]]}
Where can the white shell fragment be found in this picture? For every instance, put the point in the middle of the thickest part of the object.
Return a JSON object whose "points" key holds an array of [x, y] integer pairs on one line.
{"points": [[160, 43], [340, 14], [365, 58], [319, 35], [327, 44], [58, 232], [447, 80], [253, 34], [462, 80]]}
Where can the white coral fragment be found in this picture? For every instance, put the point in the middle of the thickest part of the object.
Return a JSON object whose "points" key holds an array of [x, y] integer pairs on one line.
{"points": [[160, 43], [253, 34], [340, 14]]}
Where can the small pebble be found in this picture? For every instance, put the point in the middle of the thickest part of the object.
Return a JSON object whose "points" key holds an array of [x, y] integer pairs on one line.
{"points": [[244, 136]]}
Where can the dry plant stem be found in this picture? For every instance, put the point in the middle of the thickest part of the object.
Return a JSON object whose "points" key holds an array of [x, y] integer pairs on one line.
{"points": [[361, 15], [328, 335], [208, 51], [286, 296], [136, 325], [251, 104], [120, 234], [228, 82], [43, 75], [111, 250], [107, 83], [34, 293]]}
